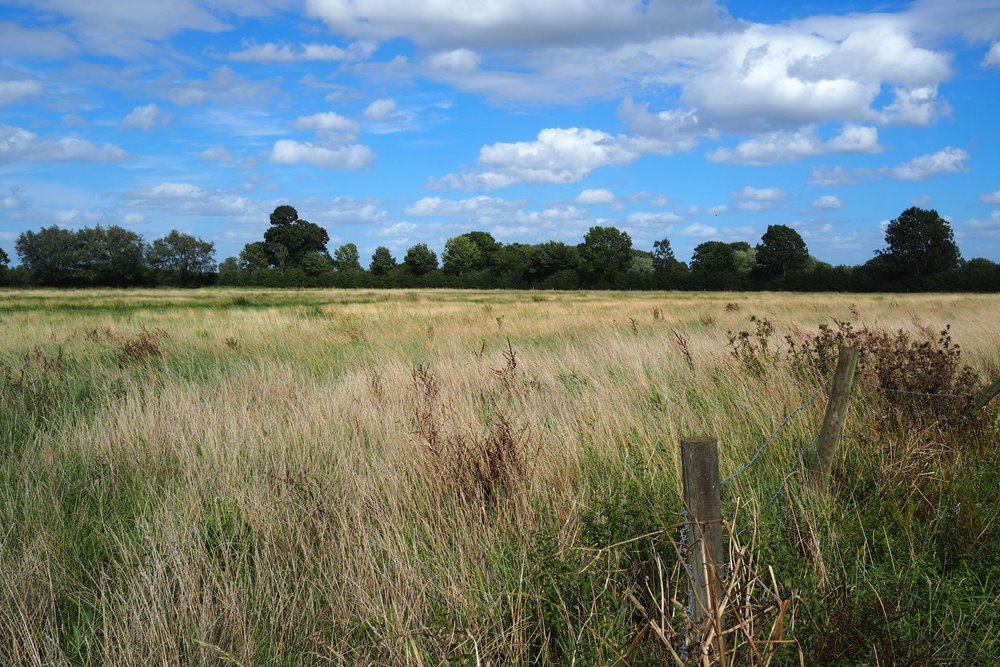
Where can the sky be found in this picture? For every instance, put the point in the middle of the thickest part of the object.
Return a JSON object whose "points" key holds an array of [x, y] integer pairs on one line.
{"points": [[395, 122]]}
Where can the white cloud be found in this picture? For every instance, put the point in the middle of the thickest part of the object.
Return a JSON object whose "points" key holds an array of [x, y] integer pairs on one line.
{"points": [[758, 199], [217, 154], [827, 201], [513, 22], [914, 106], [558, 155], [663, 132], [348, 210], [35, 43], [190, 199], [379, 110], [652, 218], [992, 58], [347, 157], [15, 91], [270, 52], [147, 117], [698, 230], [458, 60], [133, 218], [990, 197], [20, 145], [223, 85], [784, 146], [595, 196], [326, 122], [948, 160], [438, 206]]}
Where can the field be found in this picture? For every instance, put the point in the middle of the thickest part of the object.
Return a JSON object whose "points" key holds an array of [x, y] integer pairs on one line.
{"points": [[258, 477]]}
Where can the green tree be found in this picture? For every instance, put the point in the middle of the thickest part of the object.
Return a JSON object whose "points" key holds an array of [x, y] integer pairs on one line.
{"points": [[254, 257], [461, 255], [51, 254], [488, 246], [110, 256], [781, 249], [296, 236], [4, 260], [713, 257], [663, 258], [347, 258], [316, 263], [606, 253], [420, 259], [229, 265], [382, 261], [182, 258], [551, 257], [919, 242]]}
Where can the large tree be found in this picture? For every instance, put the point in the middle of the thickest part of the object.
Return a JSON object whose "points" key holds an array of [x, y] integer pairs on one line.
{"points": [[181, 257], [289, 239], [714, 257], [254, 257], [663, 258], [420, 259], [781, 249], [51, 254], [110, 256], [4, 259], [461, 255], [346, 258], [606, 252], [382, 261], [919, 242]]}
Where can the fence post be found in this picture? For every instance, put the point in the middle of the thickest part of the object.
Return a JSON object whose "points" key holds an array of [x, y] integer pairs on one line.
{"points": [[983, 397], [833, 420], [703, 501]]}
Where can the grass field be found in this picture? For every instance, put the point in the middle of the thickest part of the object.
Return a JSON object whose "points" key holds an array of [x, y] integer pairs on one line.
{"points": [[260, 477]]}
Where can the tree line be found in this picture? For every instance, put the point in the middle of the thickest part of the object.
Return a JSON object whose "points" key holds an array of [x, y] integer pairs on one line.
{"points": [[920, 254]]}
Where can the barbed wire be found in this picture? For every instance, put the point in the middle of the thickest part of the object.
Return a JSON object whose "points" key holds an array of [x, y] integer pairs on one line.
{"points": [[914, 393], [771, 438], [799, 461]]}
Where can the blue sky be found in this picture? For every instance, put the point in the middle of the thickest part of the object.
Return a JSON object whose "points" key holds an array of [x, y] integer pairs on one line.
{"points": [[394, 122]]}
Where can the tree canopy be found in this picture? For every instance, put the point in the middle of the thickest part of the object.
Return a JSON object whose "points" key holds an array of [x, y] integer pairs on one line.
{"points": [[920, 243], [781, 249]]}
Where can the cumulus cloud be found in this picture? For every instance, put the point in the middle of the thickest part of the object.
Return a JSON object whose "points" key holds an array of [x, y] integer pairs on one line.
{"points": [[652, 218], [348, 210], [698, 230], [827, 201], [992, 58], [190, 199], [914, 106], [20, 145], [147, 117], [758, 199], [558, 155], [34, 42], [379, 110], [15, 91], [990, 197], [223, 85], [326, 122], [269, 52], [596, 196], [459, 60], [217, 154], [949, 160], [514, 22], [786, 146], [348, 157]]}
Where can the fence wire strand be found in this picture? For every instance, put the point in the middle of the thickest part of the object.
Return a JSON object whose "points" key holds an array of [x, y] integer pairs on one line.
{"points": [[908, 392], [771, 438]]}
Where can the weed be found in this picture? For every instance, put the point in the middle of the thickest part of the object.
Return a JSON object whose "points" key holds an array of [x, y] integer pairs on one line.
{"points": [[732, 307], [753, 349]]}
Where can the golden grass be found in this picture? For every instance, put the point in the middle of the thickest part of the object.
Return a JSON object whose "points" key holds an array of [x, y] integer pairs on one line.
{"points": [[284, 420]]}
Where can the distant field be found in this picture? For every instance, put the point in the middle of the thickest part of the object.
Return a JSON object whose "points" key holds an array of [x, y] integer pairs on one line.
{"points": [[263, 477]]}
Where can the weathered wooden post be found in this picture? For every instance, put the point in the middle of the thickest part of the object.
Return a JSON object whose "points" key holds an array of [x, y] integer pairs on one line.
{"points": [[833, 421], [703, 501], [983, 397]]}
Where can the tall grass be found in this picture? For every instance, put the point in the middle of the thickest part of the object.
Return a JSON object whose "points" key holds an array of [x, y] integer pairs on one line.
{"points": [[326, 477]]}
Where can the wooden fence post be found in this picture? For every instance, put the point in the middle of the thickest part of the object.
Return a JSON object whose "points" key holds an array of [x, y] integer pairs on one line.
{"points": [[703, 501], [983, 397], [833, 420]]}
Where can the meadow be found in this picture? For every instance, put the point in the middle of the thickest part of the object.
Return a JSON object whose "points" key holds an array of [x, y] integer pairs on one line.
{"points": [[422, 477]]}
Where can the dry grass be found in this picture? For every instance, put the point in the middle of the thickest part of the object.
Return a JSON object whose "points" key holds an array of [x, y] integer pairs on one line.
{"points": [[330, 477]]}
